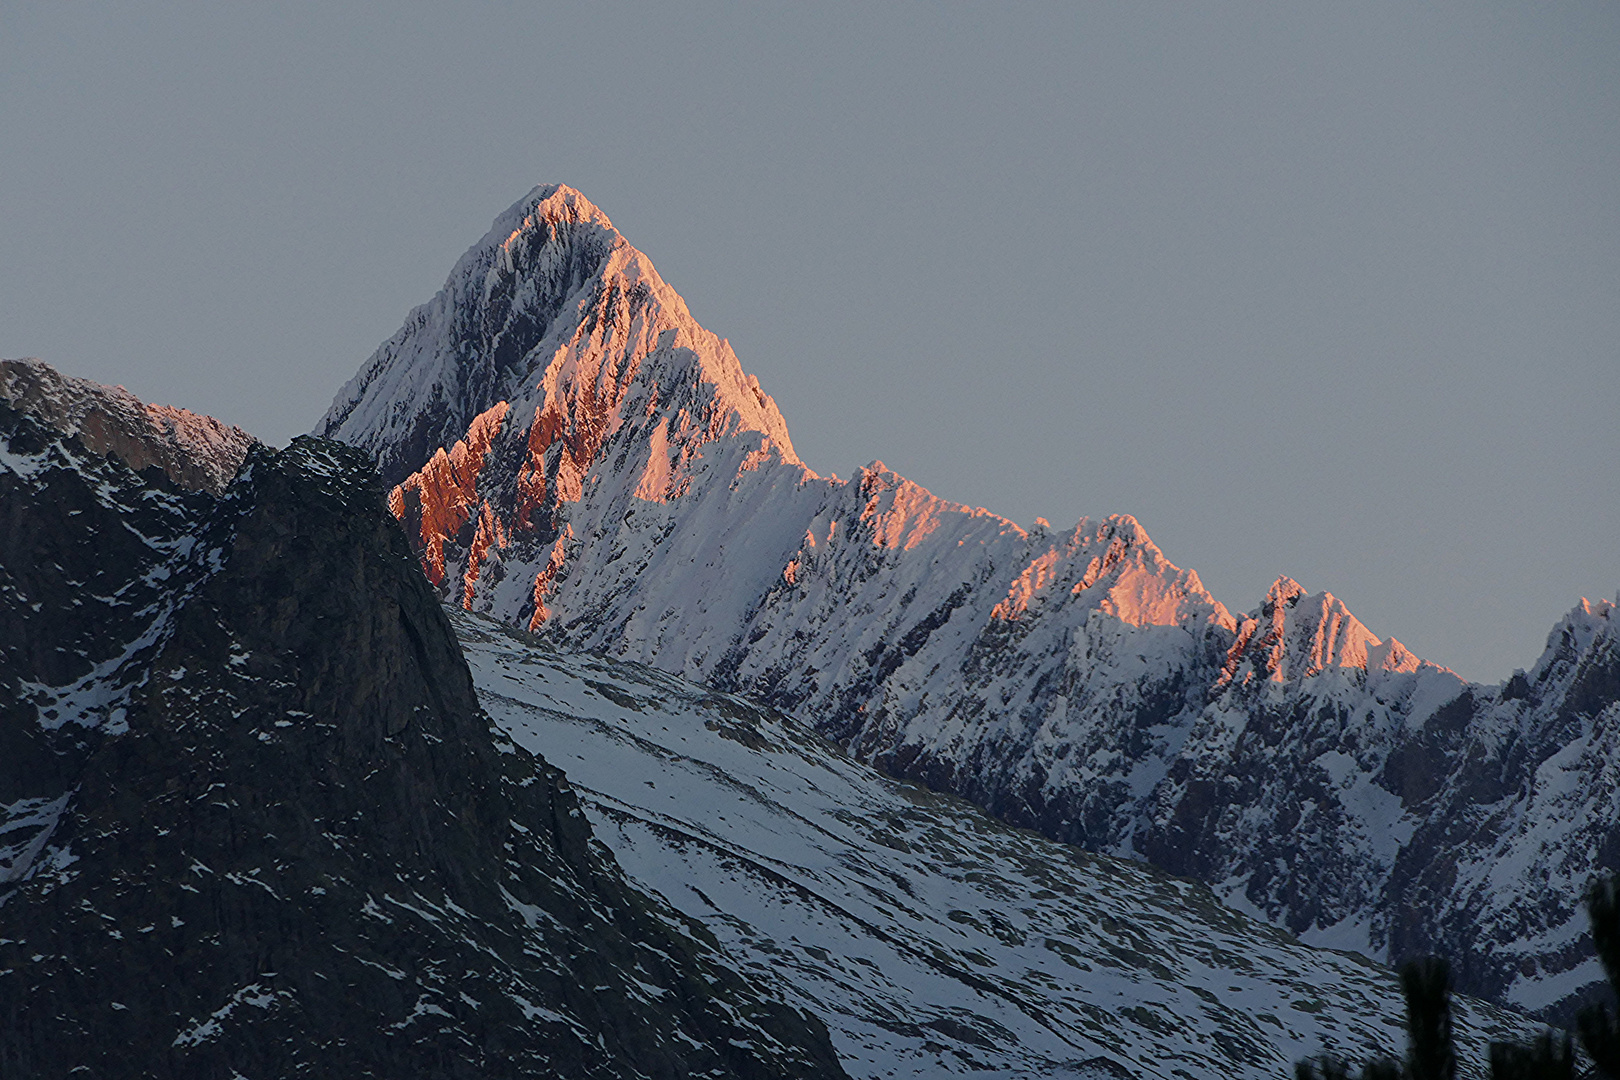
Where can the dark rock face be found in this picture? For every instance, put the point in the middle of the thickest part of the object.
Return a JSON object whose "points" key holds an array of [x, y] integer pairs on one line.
{"points": [[295, 846], [1523, 815], [92, 560]]}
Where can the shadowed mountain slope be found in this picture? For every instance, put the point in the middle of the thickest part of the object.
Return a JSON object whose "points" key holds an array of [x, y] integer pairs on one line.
{"points": [[933, 939], [256, 822]]}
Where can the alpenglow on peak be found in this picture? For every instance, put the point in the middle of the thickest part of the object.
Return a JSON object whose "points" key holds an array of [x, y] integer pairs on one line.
{"points": [[573, 454], [555, 314]]}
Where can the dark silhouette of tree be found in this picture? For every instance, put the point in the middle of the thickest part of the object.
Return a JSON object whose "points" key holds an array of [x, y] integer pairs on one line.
{"points": [[1598, 1024], [1327, 1068], [1322, 1068], [1550, 1057], [1427, 985], [1431, 1055]]}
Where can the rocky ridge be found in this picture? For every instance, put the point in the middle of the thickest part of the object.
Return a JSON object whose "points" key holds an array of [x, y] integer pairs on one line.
{"points": [[196, 452], [253, 820], [574, 455]]}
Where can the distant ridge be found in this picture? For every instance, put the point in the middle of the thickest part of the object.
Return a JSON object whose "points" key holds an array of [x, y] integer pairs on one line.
{"points": [[195, 451]]}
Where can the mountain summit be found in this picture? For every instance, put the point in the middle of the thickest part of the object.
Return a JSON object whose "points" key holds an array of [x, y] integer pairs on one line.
{"points": [[554, 316], [572, 454]]}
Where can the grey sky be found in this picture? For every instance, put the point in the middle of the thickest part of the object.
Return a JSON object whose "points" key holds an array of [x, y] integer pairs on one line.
{"points": [[1323, 290]]}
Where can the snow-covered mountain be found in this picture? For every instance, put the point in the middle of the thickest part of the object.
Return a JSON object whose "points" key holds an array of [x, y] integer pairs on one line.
{"points": [[258, 816], [573, 454], [932, 939]]}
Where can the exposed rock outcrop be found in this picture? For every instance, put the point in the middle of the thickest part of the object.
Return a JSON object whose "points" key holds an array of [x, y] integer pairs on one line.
{"points": [[270, 830], [196, 452]]}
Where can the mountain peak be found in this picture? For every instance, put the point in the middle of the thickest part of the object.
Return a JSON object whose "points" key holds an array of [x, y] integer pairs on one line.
{"points": [[559, 203], [1298, 634], [553, 214], [556, 315], [1575, 635], [1284, 591]]}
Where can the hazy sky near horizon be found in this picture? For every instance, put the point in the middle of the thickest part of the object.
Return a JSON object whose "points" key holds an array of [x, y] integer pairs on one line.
{"points": [[1330, 291]]}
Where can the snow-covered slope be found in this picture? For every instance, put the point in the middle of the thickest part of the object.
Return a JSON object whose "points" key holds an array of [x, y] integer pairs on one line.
{"points": [[931, 938], [574, 455]]}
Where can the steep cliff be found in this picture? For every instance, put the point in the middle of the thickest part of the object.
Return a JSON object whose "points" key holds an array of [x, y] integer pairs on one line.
{"points": [[266, 829]]}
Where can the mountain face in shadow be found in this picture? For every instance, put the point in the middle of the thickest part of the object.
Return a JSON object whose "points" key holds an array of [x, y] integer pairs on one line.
{"points": [[573, 454], [933, 939], [255, 820]]}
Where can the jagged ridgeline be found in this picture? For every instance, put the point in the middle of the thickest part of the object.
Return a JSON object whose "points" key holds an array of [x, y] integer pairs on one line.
{"points": [[253, 820], [573, 454]]}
